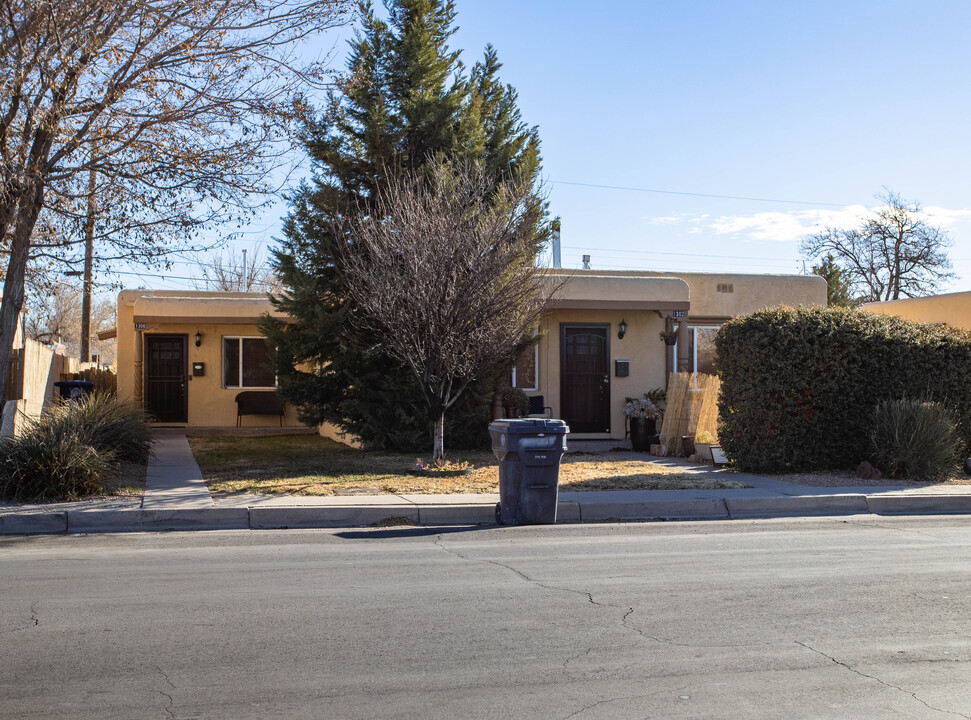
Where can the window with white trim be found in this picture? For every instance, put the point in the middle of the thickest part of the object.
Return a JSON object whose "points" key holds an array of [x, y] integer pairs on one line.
{"points": [[701, 348], [246, 363], [524, 375]]}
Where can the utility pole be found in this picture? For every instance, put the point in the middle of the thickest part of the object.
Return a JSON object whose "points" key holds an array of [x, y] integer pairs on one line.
{"points": [[245, 272], [88, 268]]}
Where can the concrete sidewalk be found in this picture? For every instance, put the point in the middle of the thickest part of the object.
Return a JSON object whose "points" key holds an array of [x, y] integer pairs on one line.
{"points": [[176, 498]]}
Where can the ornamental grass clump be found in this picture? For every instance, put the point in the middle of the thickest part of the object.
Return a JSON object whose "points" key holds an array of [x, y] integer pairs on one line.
{"points": [[72, 450], [48, 462], [107, 424], [915, 439]]}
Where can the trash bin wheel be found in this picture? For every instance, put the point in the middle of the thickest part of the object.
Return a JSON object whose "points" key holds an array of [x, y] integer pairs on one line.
{"points": [[498, 513]]}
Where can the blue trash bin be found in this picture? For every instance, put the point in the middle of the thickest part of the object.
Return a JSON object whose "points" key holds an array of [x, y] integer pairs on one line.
{"points": [[529, 453], [74, 389]]}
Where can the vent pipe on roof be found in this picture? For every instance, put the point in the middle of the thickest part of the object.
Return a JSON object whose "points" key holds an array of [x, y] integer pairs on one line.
{"points": [[557, 263], [586, 262]]}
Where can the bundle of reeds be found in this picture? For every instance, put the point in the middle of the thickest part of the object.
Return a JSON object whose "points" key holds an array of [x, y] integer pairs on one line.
{"points": [[692, 408]]}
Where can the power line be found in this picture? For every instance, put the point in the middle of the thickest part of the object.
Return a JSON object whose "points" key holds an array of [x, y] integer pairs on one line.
{"points": [[691, 255], [694, 194]]}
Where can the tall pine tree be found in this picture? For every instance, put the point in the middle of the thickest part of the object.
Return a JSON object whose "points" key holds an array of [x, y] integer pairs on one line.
{"points": [[407, 99]]}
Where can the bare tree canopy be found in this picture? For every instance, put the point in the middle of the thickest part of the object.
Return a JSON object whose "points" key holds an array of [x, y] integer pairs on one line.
{"points": [[893, 253], [54, 318], [239, 271], [174, 107], [441, 268]]}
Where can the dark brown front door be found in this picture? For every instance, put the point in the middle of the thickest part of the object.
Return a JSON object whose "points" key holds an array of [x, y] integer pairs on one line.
{"points": [[585, 377], [166, 371]]}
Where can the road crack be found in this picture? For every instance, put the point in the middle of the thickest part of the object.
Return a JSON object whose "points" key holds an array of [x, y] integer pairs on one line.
{"points": [[33, 622], [605, 701], [882, 682], [171, 701], [552, 588]]}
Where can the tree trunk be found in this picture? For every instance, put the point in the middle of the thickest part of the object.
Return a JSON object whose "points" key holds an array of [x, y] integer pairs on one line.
{"points": [[88, 270], [13, 285], [438, 452]]}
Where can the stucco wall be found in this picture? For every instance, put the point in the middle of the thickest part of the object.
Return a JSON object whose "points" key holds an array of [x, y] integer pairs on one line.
{"points": [[639, 298], [713, 295], [953, 309], [640, 345], [209, 403]]}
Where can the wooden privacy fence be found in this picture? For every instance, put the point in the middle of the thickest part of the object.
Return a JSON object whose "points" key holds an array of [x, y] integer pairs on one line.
{"points": [[33, 370], [691, 408]]}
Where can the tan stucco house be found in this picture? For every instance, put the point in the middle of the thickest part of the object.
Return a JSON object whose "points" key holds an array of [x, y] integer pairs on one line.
{"points": [[952, 309], [185, 355]]}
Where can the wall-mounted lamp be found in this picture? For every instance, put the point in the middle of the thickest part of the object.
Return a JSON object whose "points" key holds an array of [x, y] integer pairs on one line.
{"points": [[621, 330], [198, 338]]}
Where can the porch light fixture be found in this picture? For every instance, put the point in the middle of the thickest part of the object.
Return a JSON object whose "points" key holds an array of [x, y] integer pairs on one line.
{"points": [[198, 338], [622, 330]]}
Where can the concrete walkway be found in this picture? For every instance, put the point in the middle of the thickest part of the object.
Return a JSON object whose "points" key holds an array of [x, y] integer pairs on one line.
{"points": [[174, 479], [176, 498]]}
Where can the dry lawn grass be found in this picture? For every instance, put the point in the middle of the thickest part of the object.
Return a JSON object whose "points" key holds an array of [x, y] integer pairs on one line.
{"points": [[128, 481], [312, 465]]}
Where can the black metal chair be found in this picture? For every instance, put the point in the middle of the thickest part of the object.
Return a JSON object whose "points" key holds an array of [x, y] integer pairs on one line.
{"points": [[538, 409]]}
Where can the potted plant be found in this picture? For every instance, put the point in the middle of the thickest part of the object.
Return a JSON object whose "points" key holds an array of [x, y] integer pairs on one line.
{"points": [[643, 416], [657, 396], [703, 444], [515, 402], [668, 337]]}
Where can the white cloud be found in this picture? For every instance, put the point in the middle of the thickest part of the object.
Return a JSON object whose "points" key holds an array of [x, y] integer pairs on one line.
{"points": [[788, 227], [944, 217], [667, 220]]}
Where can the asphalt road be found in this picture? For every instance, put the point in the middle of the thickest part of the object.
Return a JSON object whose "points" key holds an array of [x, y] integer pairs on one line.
{"points": [[841, 618]]}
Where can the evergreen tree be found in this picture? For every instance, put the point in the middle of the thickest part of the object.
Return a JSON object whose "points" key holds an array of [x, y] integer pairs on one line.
{"points": [[838, 290], [407, 99]]}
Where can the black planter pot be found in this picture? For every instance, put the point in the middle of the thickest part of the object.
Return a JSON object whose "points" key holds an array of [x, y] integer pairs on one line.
{"points": [[642, 430]]}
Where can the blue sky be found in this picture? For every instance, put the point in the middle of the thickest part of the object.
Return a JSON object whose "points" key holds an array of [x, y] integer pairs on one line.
{"points": [[817, 104]]}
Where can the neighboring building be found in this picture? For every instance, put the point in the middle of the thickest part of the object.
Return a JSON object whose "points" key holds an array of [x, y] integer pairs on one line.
{"points": [[952, 309], [583, 370]]}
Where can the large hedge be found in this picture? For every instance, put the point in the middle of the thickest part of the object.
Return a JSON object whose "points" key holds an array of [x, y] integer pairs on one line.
{"points": [[799, 387]]}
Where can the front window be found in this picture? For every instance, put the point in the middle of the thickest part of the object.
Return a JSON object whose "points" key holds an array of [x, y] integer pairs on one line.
{"points": [[524, 371], [246, 363], [701, 349]]}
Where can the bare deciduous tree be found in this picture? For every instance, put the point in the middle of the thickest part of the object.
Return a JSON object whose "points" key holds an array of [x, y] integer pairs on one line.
{"points": [[174, 106], [54, 318], [892, 254], [441, 268], [239, 271]]}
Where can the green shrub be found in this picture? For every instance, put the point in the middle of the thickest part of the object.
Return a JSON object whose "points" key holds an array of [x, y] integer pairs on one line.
{"points": [[71, 449], [799, 387], [915, 439], [47, 463], [516, 400]]}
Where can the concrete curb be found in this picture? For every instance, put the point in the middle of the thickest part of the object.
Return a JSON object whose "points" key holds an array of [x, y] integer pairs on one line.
{"points": [[797, 505], [41, 523], [457, 512], [273, 518], [137, 519], [701, 509], [919, 504]]}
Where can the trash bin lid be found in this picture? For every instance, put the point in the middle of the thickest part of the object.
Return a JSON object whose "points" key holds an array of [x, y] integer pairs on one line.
{"points": [[530, 426], [74, 384]]}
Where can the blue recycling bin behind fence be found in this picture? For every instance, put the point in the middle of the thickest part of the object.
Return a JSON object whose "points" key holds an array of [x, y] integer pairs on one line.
{"points": [[74, 389]]}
